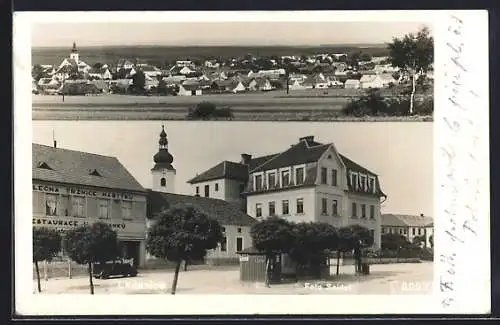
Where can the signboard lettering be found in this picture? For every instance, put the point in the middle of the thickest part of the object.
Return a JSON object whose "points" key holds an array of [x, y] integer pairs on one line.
{"points": [[67, 223], [83, 192]]}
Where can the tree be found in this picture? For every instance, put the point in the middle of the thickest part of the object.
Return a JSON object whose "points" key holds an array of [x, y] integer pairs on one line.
{"points": [[273, 236], [394, 241], [37, 72], [414, 55], [366, 57], [138, 82], [97, 65], [90, 244], [46, 245], [162, 88], [182, 234], [357, 237]]}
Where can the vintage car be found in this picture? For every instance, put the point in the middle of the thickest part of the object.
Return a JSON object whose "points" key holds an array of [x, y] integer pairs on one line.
{"points": [[113, 268]]}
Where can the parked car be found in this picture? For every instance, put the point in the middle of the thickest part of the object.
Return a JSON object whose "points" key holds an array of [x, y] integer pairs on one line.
{"points": [[113, 268]]}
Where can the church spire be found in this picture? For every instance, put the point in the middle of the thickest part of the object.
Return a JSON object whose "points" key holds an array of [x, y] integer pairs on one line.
{"points": [[163, 158], [74, 50]]}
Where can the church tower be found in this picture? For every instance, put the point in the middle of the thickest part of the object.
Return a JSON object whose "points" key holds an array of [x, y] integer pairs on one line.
{"points": [[163, 172], [74, 53]]}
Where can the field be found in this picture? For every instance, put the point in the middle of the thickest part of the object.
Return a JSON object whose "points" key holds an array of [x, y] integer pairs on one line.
{"points": [[402, 278], [158, 55], [303, 105]]}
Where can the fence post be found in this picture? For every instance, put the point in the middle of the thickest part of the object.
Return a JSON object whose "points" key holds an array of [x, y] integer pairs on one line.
{"points": [[69, 268], [45, 275]]}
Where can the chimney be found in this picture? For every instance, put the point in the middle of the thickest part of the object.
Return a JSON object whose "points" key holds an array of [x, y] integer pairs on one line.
{"points": [[245, 158], [309, 138]]}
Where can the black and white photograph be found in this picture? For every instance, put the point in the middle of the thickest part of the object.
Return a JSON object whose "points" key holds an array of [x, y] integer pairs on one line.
{"points": [[258, 71], [249, 158]]}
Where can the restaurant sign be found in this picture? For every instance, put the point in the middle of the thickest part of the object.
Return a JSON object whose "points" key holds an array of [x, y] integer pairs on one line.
{"points": [[62, 224], [82, 192]]}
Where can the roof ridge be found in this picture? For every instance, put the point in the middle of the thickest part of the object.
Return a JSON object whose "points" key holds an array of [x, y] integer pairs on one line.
{"points": [[72, 150], [276, 156]]}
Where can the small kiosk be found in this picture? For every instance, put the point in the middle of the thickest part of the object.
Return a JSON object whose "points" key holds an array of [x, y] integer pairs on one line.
{"points": [[253, 266]]}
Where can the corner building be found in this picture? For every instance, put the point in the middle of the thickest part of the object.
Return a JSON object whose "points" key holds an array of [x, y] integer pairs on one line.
{"points": [[74, 188]]}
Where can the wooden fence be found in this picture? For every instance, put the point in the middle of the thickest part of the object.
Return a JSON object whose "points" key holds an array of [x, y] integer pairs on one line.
{"points": [[62, 268]]}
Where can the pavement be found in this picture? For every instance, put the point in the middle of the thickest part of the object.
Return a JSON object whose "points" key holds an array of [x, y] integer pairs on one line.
{"points": [[402, 278]]}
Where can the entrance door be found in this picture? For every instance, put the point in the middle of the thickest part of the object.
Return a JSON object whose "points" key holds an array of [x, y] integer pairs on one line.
{"points": [[130, 249]]}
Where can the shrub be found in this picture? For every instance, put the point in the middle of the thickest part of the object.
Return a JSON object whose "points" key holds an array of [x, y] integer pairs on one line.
{"points": [[207, 110]]}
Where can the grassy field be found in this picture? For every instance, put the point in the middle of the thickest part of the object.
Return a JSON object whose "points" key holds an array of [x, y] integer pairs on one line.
{"points": [[270, 106]]}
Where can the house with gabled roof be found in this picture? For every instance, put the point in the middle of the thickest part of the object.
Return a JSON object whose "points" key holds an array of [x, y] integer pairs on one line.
{"points": [[73, 188], [309, 181], [190, 89], [409, 226]]}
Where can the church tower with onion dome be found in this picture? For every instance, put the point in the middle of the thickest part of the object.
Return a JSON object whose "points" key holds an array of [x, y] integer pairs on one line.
{"points": [[163, 172]]}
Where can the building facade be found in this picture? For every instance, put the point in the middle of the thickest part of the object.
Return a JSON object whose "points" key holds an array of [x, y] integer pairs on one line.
{"points": [[73, 188], [235, 223], [409, 226], [309, 182]]}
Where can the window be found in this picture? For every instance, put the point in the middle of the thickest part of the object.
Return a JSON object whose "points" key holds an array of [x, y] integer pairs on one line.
{"points": [[372, 212], [163, 182], [285, 178], [372, 234], [334, 177], [51, 204], [335, 208], [285, 207], [126, 210], [223, 244], [363, 210], [383, 230], [242, 188], [324, 208], [258, 210], [354, 210], [103, 209], [78, 206], [239, 244], [299, 176], [207, 190], [258, 182], [400, 231], [272, 208], [354, 181], [363, 183], [271, 180], [197, 190], [324, 175], [300, 205], [216, 187], [372, 185], [419, 233], [239, 230], [223, 229], [404, 231]]}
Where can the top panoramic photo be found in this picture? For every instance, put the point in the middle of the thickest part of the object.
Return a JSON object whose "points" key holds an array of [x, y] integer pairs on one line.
{"points": [[239, 71]]}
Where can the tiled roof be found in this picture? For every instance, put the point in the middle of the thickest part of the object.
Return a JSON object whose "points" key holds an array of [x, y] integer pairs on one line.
{"points": [[402, 220], [191, 86], [301, 153], [224, 212], [74, 167], [225, 169]]}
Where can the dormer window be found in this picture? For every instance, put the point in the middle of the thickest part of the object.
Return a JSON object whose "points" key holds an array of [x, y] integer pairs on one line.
{"points": [[94, 172], [299, 176], [354, 181], [258, 182], [44, 165], [271, 180], [363, 182], [372, 185]]}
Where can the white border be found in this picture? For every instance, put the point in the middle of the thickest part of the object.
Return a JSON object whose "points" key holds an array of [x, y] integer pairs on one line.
{"points": [[472, 269]]}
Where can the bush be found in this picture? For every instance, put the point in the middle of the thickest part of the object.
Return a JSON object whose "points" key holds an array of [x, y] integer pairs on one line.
{"points": [[207, 110]]}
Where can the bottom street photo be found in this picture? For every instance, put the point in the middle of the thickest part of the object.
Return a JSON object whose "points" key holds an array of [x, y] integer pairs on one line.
{"points": [[145, 207]]}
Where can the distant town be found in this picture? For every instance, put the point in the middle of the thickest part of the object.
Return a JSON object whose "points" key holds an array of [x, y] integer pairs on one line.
{"points": [[195, 77]]}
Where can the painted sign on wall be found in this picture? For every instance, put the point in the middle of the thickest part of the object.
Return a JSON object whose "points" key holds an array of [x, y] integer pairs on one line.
{"points": [[83, 192]]}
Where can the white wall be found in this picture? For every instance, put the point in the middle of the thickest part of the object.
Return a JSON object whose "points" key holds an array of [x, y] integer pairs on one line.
{"points": [[231, 233], [372, 224], [169, 175], [308, 194]]}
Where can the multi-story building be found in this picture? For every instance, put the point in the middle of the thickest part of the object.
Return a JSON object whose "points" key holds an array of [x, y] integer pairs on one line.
{"points": [[409, 226], [309, 181], [235, 223], [74, 188]]}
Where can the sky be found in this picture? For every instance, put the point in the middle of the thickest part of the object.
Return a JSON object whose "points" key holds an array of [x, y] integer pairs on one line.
{"points": [[400, 153], [218, 33]]}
